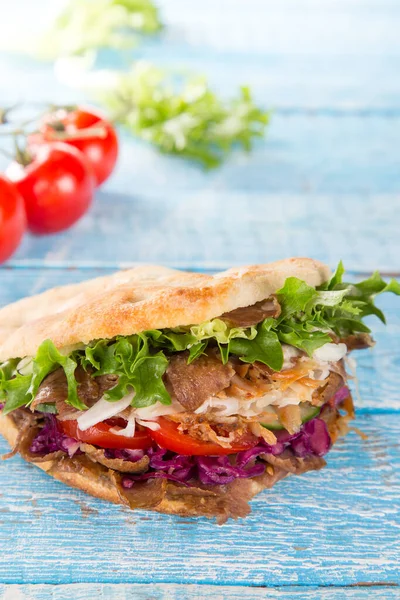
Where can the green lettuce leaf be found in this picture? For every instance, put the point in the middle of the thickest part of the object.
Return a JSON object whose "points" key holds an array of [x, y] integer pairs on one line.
{"points": [[302, 336], [47, 360], [174, 340], [137, 368], [294, 297], [197, 350], [17, 393], [147, 381], [221, 332], [265, 347]]}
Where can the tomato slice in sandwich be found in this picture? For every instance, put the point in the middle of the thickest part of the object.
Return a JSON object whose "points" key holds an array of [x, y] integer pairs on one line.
{"points": [[169, 437], [102, 436]]}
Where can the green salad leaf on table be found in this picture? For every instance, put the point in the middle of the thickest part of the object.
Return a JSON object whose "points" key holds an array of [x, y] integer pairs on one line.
{"points": [[182, 115]]}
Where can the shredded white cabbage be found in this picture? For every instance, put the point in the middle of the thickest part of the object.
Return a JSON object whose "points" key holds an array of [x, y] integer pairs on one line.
{"points": [[129, 430]]}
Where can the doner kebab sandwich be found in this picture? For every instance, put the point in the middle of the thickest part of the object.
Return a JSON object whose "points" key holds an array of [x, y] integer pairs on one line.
{"points": [[180, 392]]}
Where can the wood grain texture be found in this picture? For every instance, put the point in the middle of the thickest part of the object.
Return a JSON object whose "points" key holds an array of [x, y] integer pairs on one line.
{"points": [[186, 592], [339, 526], [244, 229]]}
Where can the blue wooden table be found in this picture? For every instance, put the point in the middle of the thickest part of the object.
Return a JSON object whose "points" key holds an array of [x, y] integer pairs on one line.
{"points": [[324, 183]]}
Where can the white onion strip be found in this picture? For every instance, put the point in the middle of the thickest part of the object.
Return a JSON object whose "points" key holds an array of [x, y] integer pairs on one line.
{"points": [[102, 410], [149, 424], [129, 429]]}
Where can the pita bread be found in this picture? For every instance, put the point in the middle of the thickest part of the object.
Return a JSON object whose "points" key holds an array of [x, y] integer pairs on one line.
{"points": [[147, 297]]}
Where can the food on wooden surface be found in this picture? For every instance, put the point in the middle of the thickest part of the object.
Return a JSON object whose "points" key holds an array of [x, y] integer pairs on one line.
{"points": [[181, 392]]}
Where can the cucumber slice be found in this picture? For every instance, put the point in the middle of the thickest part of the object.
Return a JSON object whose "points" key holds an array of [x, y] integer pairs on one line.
{"points": [[307, 411], [274, 424]]}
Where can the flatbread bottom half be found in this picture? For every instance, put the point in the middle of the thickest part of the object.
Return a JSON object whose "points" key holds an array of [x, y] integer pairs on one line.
{"points": [[229, 501]]}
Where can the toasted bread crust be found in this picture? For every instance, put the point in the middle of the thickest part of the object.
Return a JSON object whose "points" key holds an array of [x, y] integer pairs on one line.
{"points": [[146, 297]]}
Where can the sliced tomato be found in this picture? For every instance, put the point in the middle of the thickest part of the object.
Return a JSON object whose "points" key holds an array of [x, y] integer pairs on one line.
{"points": [[169, 437], [102, 436]]}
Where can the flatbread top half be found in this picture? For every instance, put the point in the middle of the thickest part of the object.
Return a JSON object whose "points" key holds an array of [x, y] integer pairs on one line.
{"points": [[146, 297]]}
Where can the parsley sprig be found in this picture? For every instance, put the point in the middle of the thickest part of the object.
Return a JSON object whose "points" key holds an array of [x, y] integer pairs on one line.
{"points": [[182, 115]]}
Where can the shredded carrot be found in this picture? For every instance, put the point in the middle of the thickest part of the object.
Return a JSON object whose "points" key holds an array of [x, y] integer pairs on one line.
{"points": [[313, 383]]}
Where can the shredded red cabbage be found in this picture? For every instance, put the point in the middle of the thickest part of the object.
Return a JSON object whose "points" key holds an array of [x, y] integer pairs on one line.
{"points": [[312, 439], [208, 469], [219, 469], [50, 439], [124, 454]]}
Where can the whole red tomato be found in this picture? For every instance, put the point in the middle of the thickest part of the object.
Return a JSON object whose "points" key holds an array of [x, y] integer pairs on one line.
{"points": [[12, 218], [57, 187], [87, 130]]}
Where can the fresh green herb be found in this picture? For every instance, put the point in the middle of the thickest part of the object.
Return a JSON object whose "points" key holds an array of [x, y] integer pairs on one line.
{"points": [[186, 118], [308, 320], [89, 25]]}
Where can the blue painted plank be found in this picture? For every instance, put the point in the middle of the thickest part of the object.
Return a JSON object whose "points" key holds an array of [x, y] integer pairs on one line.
{"points": [[215, 229], [310, 530], [301, 155], [185, 592]]}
